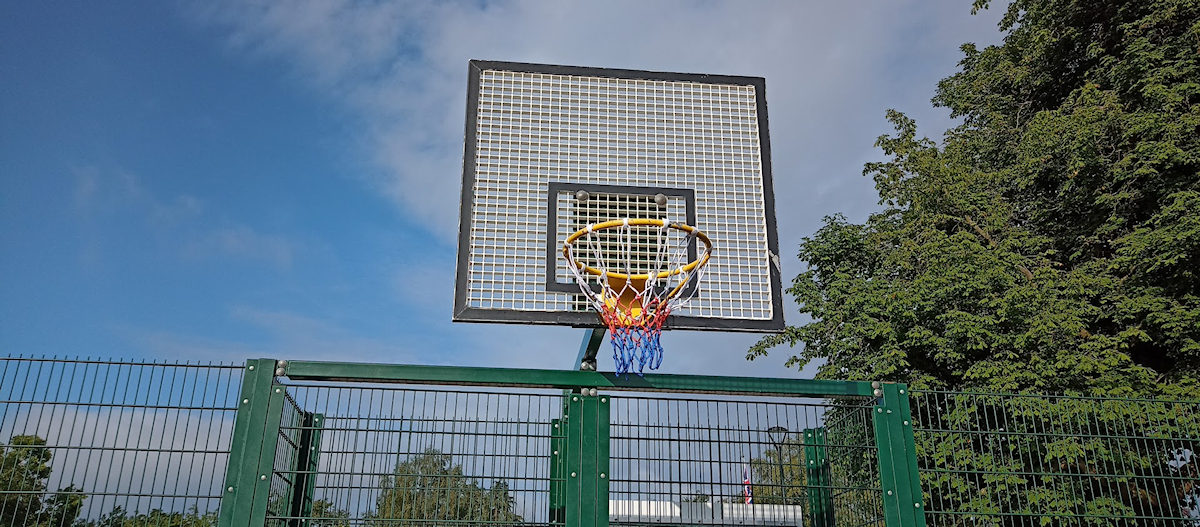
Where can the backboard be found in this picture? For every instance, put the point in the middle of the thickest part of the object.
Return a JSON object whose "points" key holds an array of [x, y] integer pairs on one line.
{"points": [[537, 135]]}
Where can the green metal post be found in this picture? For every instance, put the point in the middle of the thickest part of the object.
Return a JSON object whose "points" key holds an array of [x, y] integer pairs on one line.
{"points": [[820, 495], [557, 467], [902, 503], [587, 449], [305, 469], [249, 431], [910, 449], [266, 460]]}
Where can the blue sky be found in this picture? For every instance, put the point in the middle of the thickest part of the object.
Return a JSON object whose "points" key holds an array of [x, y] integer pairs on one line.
{"points": [[219, 180]]}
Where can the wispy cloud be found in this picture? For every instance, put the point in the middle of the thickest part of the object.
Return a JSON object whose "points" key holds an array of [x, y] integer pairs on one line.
{"points": [[181, 222], [243, 243], [278, 334]]}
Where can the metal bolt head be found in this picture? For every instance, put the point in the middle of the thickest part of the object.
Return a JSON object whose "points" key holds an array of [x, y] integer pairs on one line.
{"points": [[572, 474], [245, 401], [277, 390], [603, 475], [252, 368], [906, 423], [604, 399], [573, 398], [876, 384], [889, 493], [917, 505], [281, 364], [556, 452], [592, 392], [263, 477], [879, 410], [889, 411], [901, 391], [278, 372], [230, 489], [878, 392]]}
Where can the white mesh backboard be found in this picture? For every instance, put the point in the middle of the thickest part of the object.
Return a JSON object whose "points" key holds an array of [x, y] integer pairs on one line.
{"points": [[537, 134]]}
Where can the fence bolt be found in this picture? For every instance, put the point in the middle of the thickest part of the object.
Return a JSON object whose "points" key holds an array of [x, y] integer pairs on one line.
{"points": [[245, 401], [277, 391], [889, 411], [878, 392], [252, 368], [876, 384], [556, 452], [906, 423], [604, 399], [889, 493], [573, 398], [901, 391], [603, 475], [917, 505], [572, 474], [879, 410], [263, 477], [230, 489]]}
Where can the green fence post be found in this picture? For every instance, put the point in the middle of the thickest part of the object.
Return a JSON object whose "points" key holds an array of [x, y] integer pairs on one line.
{"points": [[902, 502], [911, 470], [557, 466], [587, 449], [303, 487], [820, 495], [247, 443], [265, 472]]}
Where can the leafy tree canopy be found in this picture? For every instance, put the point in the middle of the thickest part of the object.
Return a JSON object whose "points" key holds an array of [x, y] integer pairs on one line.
{"points": [[24, 469], [1050, 242], [430, 487]]}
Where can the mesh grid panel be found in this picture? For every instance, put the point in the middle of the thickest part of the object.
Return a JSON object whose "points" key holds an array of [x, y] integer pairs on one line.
{"points": [[535, 128]]}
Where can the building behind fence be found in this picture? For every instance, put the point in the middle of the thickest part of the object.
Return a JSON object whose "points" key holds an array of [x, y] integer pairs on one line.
{"points": [[116, 443]]}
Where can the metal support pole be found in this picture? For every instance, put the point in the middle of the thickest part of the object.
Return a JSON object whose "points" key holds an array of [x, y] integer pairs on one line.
{"points": [[250, 431], [903, 504], [589, 348]]}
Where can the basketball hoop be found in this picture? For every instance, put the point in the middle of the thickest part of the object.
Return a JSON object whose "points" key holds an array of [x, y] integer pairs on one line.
{"points": [[642, 278]]}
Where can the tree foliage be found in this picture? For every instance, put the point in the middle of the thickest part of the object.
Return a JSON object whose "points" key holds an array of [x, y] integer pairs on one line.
{"points": [[429, 487], [24, 470], [119, 517], [1051, 241]]}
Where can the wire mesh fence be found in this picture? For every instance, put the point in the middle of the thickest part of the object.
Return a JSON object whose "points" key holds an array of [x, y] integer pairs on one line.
{"points": [[107, 443], [91, 443], [996, 459], [743, 461], [402, 455]]}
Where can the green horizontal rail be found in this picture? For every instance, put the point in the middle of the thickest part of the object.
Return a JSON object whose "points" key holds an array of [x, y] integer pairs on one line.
{"points": [[567, 379]]}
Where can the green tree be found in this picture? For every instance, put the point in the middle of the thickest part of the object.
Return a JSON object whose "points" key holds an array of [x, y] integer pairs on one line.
{"points": [[429, 487], [1051, 241], [24, 469], [326, 514], [119, 517]]}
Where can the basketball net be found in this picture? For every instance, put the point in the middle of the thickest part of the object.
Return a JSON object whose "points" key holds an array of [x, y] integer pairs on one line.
{"points": [[649, 277]]}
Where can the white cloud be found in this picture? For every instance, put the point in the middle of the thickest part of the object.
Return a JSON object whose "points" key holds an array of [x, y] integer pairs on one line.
{"points": [[243, 243]]}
